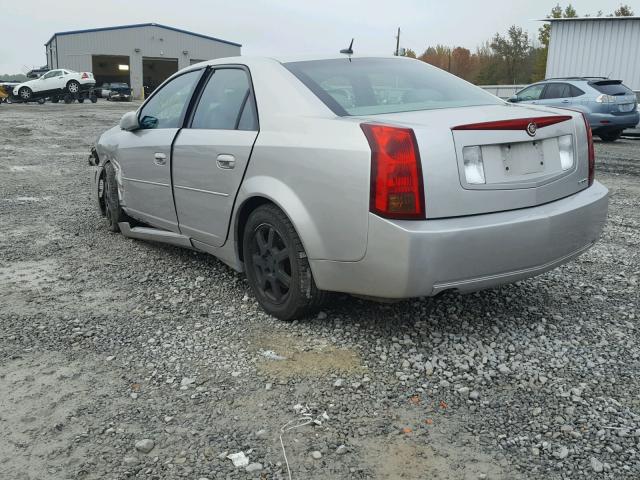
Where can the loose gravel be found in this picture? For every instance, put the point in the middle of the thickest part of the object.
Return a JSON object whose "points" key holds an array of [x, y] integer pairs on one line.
{"points": [[123, 359]]}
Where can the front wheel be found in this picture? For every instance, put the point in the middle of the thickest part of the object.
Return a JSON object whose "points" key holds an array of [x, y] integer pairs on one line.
{"points": [[610, 136], [111, 199], [277, 267], [25, 93]]}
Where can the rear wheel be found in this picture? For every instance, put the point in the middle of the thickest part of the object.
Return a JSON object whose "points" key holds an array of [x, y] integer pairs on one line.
{"points": [[41, 101], [25, 93], [67, 98], [277, 267], [73, 86], [611, 136], [113, 211], [93, 99], [81, 100]]}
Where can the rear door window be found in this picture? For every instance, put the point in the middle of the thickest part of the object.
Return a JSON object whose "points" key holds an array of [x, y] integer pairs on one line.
{"points": [[611, 87], [557, 90], [224, 100], [369, 86]]}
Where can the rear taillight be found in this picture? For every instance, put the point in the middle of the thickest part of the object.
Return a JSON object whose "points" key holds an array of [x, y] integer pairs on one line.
{"points": [[84, 75], [397, 190], [591, 149]]}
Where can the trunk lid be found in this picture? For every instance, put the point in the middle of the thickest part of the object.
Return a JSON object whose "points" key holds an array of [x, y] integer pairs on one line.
{"points": [[520, 169]]}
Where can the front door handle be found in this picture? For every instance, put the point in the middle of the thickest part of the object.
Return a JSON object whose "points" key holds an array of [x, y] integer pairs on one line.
{"points": [[226, 161], [160, 158]]}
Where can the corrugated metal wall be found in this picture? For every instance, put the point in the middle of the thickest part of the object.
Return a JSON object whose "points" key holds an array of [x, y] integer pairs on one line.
{"points": [[74, 51], [608, 48]]}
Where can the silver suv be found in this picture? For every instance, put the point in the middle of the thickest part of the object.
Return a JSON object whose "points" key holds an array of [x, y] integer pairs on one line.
{"points": [[609, 105]]}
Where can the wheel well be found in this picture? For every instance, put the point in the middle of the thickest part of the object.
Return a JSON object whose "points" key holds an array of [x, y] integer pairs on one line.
{"points": [[243, 215], [102, 178]]}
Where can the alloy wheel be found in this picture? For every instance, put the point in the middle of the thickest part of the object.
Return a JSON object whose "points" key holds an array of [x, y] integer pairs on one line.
{"points": [[271, 263]]}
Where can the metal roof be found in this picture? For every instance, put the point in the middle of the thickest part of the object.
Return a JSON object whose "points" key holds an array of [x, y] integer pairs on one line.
{"points": [[579, 19], [138, 25]]}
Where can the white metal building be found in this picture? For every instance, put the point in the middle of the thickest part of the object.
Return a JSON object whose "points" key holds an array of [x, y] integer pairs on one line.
{"points": [[142, 55], [595, 46]]}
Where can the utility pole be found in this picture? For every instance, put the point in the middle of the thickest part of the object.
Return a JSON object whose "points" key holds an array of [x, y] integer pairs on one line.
{"points": [[398, 43]]}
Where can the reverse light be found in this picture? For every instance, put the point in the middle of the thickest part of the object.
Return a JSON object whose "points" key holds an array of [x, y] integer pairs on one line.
{"points": [[397, 189], [473, 165], [565, 146]]}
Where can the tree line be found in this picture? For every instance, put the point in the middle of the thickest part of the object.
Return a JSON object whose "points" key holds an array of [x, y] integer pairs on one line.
{"points": [[511, 58]]}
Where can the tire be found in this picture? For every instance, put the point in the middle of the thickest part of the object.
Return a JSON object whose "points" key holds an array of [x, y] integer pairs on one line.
{"points": [[113, 212], [81, 100], [41, 101], [25, 93], [67, 98], [610, 136], [93, 99], [277, 267], [73, 86], [55, 99]]}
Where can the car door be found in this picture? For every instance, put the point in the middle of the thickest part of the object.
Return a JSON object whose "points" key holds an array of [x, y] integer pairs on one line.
{"points": [[211, 155], [556, 94], [531, 94], [145, 154], [47, 82]]}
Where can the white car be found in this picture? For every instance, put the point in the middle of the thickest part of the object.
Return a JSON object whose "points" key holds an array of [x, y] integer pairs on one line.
{"points": [[54, 82]]}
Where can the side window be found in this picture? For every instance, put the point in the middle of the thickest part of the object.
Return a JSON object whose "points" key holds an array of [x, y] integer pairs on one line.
{"points": [[223, 100], [51, 74], [531, 93], [249, 118], [557, 90], [167, 107], [575, 91]]}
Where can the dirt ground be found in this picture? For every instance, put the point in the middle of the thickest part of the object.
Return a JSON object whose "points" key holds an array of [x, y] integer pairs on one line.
{"points": [[106, 341]]}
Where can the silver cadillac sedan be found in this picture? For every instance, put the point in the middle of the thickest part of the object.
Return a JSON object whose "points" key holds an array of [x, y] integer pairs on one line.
{"points": [[380, 177]]}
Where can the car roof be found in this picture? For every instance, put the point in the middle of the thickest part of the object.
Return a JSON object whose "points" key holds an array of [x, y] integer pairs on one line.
{"points": [[249, 60]]}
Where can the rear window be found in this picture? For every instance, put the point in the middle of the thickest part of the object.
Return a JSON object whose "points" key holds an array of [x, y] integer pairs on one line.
{"points": [[611, 87], [369, 86]]}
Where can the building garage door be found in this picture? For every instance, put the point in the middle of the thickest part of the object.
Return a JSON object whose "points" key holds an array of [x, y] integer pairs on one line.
{"points": [[155, 71], [110, 68]]}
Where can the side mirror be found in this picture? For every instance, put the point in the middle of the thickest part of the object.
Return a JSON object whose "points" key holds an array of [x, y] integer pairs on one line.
{"points": [[129, 121], [513, 99]]}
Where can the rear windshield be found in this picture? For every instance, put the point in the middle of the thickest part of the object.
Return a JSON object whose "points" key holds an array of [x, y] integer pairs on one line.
{"points": [[612, 87], [369, 86]]}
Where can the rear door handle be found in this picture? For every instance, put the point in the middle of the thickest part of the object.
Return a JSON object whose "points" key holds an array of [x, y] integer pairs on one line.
{"points": [[565, 101], [226, 161], [159, 158]]}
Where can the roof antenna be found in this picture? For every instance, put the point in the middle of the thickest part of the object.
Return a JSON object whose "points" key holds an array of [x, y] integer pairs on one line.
{"points": [[348, 51]]}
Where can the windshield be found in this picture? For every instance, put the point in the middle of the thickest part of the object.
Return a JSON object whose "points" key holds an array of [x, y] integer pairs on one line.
{"points": [[369, 86]]}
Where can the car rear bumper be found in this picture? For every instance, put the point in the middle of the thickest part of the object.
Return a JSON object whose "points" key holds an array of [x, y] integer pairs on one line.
{"points": [[607, 121], [409, 259]]}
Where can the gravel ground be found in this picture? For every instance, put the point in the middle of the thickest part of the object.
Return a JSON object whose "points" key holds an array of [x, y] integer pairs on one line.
{"points": [[124, 359]]}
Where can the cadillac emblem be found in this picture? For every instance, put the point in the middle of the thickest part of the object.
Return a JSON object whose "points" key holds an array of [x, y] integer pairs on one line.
{"points": [[531, 129]]}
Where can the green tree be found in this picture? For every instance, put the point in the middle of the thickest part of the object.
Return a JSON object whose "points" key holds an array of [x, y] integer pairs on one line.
{"points": [[513, 49], [623, 11], [409, 53], [544, 32]]}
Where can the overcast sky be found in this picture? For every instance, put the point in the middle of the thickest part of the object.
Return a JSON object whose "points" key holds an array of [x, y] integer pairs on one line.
{"points": [[278, 27]]}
